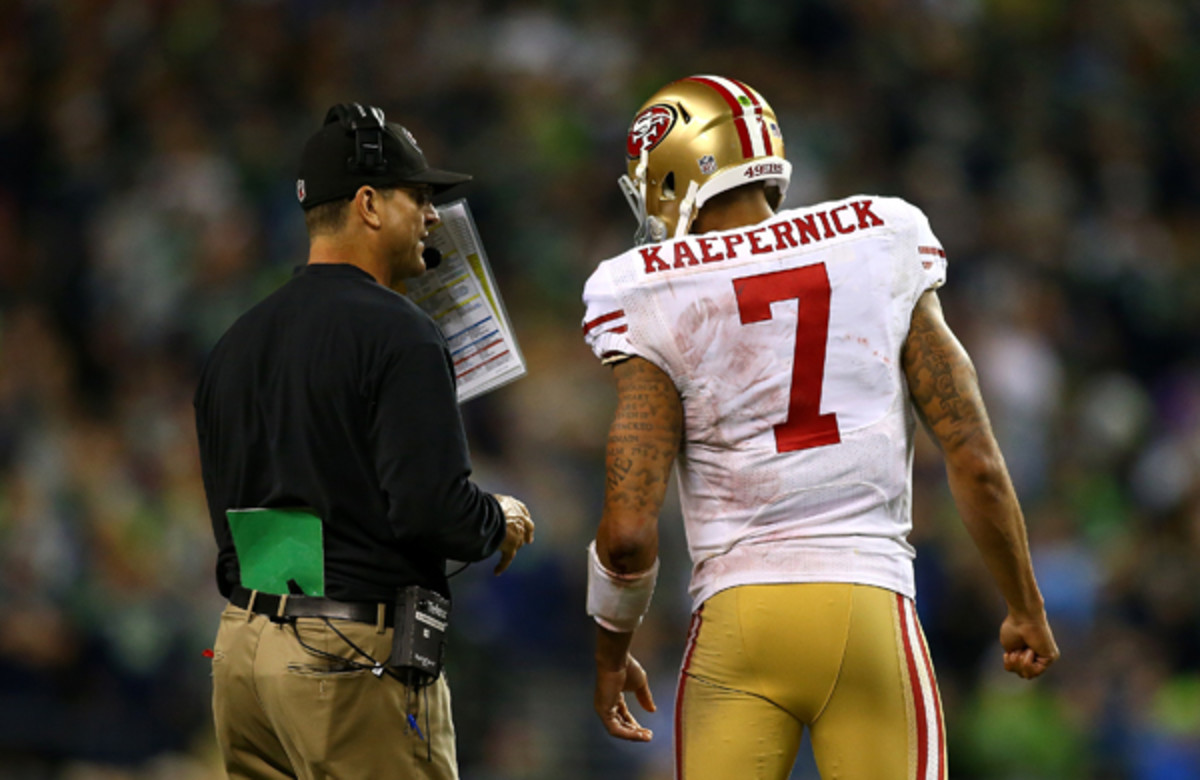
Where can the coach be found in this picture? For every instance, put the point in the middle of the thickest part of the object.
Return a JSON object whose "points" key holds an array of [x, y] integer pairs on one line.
{"points": [[338, 481]]}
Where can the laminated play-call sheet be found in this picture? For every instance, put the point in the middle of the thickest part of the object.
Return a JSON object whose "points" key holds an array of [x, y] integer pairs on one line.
{"points": [[461, 296]]}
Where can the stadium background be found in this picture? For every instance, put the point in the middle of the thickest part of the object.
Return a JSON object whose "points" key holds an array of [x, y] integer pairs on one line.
{"points": [[147, 157]]}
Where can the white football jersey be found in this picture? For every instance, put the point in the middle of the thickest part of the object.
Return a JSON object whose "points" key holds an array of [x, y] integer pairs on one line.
{"points": [[784, 340]]}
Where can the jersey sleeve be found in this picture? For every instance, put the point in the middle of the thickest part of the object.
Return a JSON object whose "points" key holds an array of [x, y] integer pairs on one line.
{"points": [[605, 326], [918, 254], [930, 253]]}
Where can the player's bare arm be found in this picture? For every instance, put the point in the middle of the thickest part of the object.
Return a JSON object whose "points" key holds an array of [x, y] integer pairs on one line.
{"points": [[945, 391], [642, 443]]}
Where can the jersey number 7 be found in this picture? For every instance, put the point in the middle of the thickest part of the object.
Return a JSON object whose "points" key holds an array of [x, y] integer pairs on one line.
{"points": [[805, 426]]}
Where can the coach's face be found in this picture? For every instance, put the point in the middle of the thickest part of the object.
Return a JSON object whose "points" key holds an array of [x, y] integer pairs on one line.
{"points": [[410, 214]]}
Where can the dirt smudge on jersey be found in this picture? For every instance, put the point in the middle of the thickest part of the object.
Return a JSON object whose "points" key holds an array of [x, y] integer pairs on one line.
{"points": [[734, 376]]}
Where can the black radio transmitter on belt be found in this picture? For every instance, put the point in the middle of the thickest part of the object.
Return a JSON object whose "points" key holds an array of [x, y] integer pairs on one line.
{"points": [[419, 638]]}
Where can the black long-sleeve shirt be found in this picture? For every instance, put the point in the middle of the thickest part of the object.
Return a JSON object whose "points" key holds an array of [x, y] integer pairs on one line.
{"points": [[337, 394]]}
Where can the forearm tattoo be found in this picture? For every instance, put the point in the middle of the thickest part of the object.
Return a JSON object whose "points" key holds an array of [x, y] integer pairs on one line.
{"points": [[644, 438], [942, 379]]}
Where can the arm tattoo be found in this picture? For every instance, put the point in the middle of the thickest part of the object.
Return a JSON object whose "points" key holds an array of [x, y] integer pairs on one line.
{"points": [[618, 469], [941, 378], [643, 440]]}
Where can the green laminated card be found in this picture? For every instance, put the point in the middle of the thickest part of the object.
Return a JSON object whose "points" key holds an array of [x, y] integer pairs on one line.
{"points": [[277, 545]]}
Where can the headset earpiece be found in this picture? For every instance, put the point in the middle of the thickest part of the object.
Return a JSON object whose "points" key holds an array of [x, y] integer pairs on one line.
{"points": [[367, 124]]}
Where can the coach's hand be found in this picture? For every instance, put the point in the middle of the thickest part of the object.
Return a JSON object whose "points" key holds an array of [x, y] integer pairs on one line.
{"points": [[1029, 647], [609, 699], [518, 531]]}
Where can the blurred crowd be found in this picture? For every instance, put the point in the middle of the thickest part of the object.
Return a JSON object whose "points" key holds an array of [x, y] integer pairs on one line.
{"points": [[148, 151]]}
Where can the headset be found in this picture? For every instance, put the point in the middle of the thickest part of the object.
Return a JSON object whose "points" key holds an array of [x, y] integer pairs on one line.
{"points": [[367, 124]]}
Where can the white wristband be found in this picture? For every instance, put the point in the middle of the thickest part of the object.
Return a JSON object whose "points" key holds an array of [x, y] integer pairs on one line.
{"points": [[618, 601]]}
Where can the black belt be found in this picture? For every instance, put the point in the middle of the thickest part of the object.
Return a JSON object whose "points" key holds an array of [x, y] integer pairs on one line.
{"points": [[311, 607]]}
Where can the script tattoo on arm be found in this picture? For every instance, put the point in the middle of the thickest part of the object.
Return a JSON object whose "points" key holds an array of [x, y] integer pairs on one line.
{"points": [[618, 469], [941, 378], [643, 441]]}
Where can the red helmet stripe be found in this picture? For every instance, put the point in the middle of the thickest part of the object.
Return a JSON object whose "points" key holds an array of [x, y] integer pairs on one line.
{"points": [[758, 112], [739, 112]]}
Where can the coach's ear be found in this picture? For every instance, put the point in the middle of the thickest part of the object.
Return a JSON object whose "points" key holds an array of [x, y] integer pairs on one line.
{"points": [[366, 206]]}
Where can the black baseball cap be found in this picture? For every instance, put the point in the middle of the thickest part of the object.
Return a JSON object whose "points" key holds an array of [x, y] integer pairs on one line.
{"points": [[356, 146]]}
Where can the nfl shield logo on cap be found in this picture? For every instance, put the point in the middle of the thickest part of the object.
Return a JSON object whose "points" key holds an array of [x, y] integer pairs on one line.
{"points": [[300, 193]]}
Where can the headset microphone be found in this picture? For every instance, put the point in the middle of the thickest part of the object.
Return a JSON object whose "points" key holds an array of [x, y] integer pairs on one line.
{"points": [[432, 258]]}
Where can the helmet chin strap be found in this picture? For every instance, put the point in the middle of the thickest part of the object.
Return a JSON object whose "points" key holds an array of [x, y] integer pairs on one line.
{"points": [[649, 228], [686, 207], [635, 199]]}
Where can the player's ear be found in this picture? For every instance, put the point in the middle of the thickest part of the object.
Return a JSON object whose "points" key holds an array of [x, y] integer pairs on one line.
{"points": [[366, 206]]}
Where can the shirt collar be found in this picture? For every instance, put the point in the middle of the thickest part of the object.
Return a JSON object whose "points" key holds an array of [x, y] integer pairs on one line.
{"points": [[340, 270]]}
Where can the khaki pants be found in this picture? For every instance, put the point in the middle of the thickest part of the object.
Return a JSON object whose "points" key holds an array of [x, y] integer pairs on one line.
{"points": [[283, 712], [847, 661]]}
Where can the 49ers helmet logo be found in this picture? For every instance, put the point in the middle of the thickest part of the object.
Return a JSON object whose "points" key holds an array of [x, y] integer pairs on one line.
{"points": [[648, 129]]}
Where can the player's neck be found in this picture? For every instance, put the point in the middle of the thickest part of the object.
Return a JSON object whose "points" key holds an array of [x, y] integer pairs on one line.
{"points": [[747, 208]]}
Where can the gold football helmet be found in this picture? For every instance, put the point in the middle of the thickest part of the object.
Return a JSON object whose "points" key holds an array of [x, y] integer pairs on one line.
{"points": [[692, 139]]}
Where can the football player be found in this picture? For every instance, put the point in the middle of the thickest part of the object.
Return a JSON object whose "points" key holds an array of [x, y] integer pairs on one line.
{"points": [[779, 361]]}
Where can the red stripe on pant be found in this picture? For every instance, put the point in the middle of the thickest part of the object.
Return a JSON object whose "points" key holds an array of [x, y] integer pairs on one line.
{"points": [[936, 704], [693, 634], [914, 679]]}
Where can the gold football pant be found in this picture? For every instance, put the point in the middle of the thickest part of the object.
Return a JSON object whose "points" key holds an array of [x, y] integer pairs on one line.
{"points": [[282, 712], [847, 661]]}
